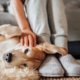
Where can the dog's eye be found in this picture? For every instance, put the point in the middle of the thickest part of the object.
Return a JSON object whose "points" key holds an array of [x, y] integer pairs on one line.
{"points": [[26, 51], [24, 65]]}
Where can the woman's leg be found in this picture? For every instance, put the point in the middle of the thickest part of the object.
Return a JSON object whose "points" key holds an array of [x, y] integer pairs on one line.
{"points": [[37, 16], [58, 23], [59, 30]]}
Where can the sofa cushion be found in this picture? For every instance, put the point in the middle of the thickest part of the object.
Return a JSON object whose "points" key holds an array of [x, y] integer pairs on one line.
{"points": [[6, 18], [3, 1], [72, 8]]}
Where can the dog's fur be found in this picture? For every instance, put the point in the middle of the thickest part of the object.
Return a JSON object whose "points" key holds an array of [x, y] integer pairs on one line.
{"points": [[22, 56]]}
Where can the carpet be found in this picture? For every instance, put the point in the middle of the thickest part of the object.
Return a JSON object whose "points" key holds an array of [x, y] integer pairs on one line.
{"points": [[64, 78]]}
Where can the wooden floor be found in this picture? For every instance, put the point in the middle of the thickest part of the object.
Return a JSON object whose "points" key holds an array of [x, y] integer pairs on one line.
{"points": [[64, 78]]}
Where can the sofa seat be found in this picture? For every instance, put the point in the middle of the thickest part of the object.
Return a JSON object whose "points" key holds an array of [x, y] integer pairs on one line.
{"points": [[72, 8]]}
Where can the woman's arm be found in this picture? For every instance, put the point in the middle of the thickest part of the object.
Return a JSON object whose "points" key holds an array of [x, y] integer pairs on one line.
{"points": [[28, 38], [18, 10]]}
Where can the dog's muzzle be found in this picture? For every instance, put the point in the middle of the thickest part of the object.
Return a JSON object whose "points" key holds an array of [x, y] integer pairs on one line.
{"points": [[7, 57]]}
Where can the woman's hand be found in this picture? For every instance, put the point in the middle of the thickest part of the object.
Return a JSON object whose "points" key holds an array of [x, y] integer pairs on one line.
{"points": [[28, 38]]}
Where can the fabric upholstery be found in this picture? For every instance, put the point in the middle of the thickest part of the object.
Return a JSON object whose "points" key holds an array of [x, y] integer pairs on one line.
{"points": [[6, 18], [72, 8]]}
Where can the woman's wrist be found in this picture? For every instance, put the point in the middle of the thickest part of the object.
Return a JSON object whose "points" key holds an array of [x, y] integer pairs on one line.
{"points": [[25, 27], [25, 30]]}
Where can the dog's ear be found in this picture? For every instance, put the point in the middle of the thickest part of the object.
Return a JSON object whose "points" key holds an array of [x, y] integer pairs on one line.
{"points": [[51, 49], [10, 31]]}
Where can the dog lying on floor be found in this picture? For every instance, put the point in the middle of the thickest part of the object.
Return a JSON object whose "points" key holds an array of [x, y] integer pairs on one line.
{"points": [[12, 54]]}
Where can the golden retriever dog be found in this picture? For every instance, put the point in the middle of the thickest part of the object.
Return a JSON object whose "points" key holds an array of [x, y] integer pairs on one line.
{"points": [[12, 54]]}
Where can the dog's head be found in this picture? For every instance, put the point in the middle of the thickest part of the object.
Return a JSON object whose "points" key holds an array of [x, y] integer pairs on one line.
{"points": [[29, 56]]}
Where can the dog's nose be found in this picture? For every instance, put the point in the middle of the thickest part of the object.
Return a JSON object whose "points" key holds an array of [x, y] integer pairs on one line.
{"points": [[8, 57]]}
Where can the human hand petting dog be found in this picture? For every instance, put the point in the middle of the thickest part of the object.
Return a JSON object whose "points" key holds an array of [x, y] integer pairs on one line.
{"points": [[28, 38], [31, 56]]}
